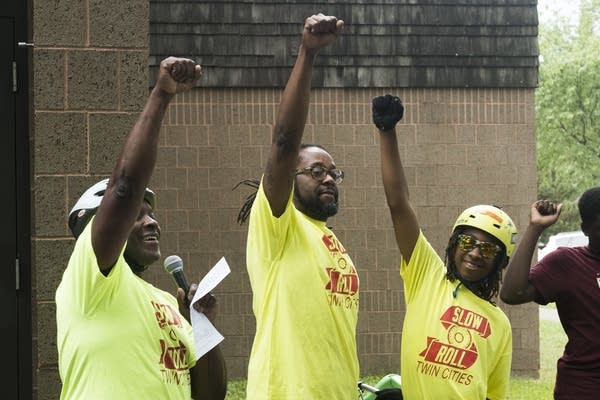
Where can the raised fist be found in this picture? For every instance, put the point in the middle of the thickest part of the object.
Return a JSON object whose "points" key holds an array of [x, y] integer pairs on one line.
{"points": [[545, 207], [387, 111], [321, 30], [544, 213], [177, 75]]}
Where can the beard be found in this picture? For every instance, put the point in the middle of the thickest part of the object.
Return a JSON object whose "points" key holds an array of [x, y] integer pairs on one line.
{"points": [[315, 208]]}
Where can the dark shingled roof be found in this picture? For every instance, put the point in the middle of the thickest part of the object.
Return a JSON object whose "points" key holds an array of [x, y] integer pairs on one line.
{"points": [[402, 43]]}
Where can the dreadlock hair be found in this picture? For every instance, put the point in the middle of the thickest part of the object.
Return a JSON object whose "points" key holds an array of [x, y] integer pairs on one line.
{"points": [[247, 206], [244, 212], [486, 288], [589, 205]]}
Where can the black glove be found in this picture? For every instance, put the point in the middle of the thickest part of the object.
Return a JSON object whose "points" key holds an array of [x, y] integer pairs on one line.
{"points": [[387, 111]]}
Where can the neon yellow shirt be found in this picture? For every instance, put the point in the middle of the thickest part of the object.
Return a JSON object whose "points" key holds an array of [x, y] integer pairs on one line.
{"points": [[305, 301], [452, 347], [118, 336]]}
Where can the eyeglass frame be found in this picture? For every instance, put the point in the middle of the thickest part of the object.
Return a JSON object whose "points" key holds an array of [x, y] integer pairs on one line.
{"points": [[478, 243], [340, 174]]}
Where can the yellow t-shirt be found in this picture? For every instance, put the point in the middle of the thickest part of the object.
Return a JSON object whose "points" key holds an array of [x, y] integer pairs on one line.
{"points": [[305, 301], [452, 347], [118, 336]]}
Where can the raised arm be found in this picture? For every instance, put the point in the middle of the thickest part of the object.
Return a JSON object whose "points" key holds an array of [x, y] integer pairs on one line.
{"points": [[516, 288], [387, 111], [319, 31], [131, 174]]}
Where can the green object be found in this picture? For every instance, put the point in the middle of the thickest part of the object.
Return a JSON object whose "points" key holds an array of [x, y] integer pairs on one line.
{"points": [[390, 381]]}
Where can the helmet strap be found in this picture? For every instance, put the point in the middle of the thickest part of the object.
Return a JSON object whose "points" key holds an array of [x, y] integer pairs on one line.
{"points": [[456, 289]]}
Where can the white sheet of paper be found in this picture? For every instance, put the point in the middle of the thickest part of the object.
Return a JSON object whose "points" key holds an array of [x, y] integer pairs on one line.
{"points": [[212, 279], [206, 335]]}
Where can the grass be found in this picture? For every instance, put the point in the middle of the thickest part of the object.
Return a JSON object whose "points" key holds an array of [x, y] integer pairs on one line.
{"points": [[236, 390], [552, 342]]}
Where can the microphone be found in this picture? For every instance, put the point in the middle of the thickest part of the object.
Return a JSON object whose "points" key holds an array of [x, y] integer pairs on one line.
{"points": [[174, 266]]}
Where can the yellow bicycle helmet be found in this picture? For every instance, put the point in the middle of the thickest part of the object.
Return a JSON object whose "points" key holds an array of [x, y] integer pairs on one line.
{"points": [[492, 220]]}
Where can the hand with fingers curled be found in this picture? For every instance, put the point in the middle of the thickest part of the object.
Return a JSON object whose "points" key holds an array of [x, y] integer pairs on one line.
{"points": [[387, 111], [177, 75], [545, 207], [208, 306], [321, 30], [545, 213]]}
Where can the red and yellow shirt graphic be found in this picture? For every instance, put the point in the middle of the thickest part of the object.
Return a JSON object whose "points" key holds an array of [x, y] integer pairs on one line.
{"points": [[458, 350], [342, 286]]}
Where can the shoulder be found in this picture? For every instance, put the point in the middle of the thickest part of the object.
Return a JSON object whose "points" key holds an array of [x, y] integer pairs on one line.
{"points": [[562, 256], [567, 252], [261, 208]]}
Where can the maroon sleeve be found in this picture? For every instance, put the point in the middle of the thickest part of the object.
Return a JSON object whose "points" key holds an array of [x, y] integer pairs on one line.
{"points": [[549, 277]]}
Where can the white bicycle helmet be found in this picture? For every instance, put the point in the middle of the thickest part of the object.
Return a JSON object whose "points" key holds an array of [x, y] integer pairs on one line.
{"points": [[89, 202]]}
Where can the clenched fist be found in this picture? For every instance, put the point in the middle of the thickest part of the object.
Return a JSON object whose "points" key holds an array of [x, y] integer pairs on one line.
{"points": [[544, 213], [545, 207], [387, 111], [177, 75]]}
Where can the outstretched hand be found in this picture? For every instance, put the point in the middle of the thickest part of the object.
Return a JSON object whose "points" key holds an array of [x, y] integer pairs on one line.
{"points": [[321, 30], [177, 75], [387, 111], [544, 213]]}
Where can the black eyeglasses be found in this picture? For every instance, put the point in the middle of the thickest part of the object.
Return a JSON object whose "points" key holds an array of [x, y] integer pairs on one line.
{"points": [[467, 243], [320, 173]]}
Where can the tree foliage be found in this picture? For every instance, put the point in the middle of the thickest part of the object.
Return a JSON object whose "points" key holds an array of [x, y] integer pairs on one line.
{"points": [[568, 112]]}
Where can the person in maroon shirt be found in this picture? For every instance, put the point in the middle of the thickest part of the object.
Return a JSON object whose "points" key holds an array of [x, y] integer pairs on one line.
{"points": [[570, 277]]}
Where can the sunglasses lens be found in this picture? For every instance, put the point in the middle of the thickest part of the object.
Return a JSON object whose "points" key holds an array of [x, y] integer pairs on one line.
{"points": [[466, 243], [488, 250]]}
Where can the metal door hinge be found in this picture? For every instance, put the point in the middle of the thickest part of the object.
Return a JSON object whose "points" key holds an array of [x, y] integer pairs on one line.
{"points": [[17, 274], [14, 76]]}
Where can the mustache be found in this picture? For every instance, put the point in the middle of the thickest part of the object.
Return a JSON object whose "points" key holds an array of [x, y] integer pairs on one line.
{"points": [[332, 190]]}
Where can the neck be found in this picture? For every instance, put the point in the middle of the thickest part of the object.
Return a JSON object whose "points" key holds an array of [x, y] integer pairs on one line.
{"points": [[135, 268], [476, 287]]}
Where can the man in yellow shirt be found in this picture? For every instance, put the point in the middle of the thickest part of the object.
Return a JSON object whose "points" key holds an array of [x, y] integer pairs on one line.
{"points": [[305, 285], [118, 336]]}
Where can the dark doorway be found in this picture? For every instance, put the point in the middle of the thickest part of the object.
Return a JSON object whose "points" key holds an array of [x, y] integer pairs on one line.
{"points": [[15, 264], [8, 245]]}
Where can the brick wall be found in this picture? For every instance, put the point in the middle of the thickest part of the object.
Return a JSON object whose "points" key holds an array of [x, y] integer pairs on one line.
{"points": [[460, 146], [90, 80]]}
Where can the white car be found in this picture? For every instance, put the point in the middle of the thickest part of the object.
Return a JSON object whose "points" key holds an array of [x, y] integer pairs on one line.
{"points": [[563, 239]]}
